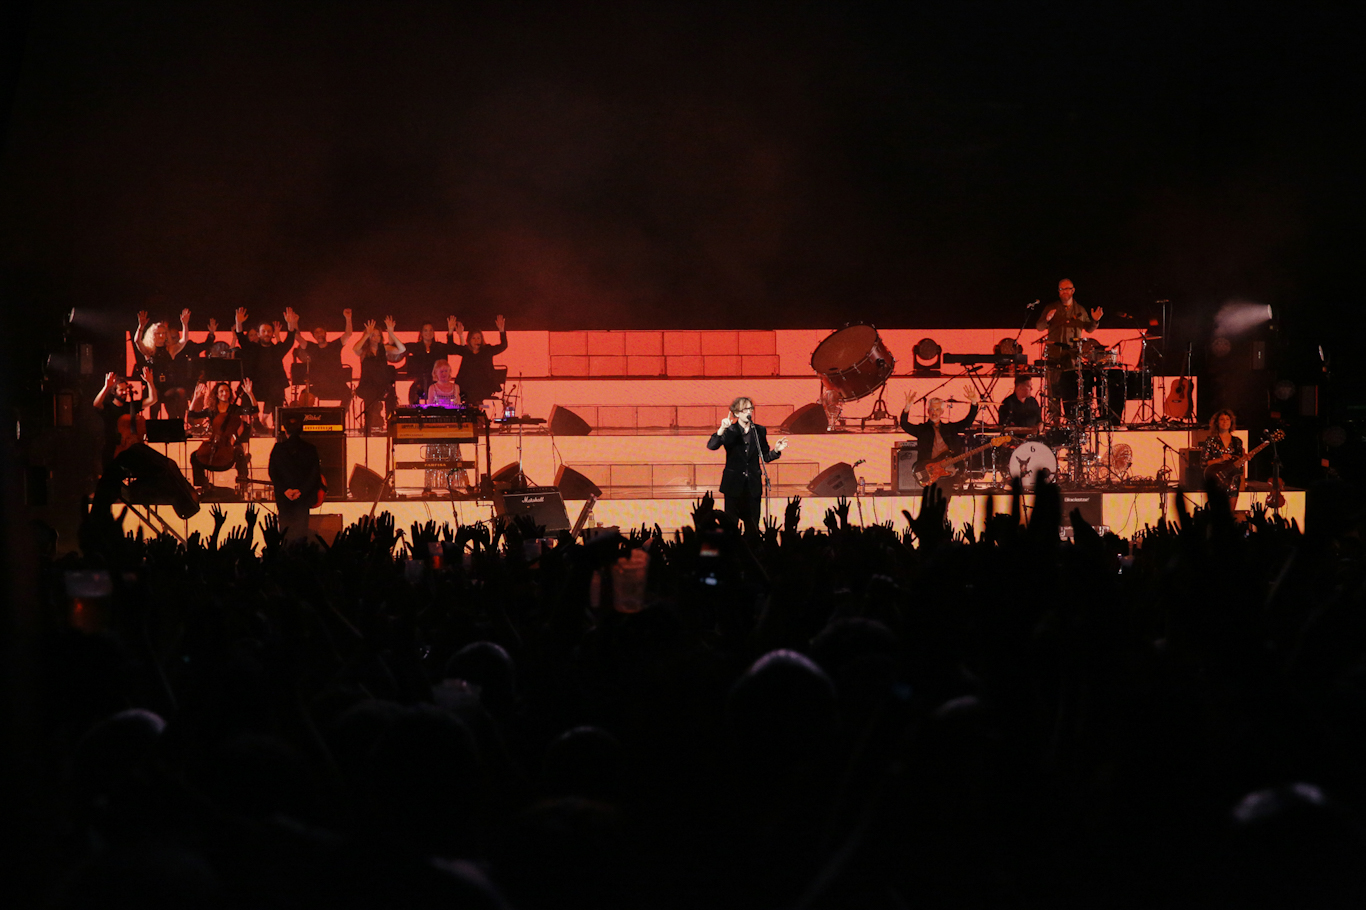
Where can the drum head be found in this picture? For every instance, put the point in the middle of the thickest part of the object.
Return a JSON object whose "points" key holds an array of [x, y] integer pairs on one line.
{"points": [[1030, 458], [843, 348]]}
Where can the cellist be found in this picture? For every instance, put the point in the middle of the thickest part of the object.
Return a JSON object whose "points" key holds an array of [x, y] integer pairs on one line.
{"points": [[229, 423]]}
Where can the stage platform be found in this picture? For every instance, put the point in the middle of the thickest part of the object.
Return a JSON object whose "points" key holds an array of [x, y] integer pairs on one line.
{"points": [[1126, 512]]}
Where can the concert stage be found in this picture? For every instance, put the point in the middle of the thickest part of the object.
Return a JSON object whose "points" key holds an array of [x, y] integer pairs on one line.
{"points": [[636, 409]]}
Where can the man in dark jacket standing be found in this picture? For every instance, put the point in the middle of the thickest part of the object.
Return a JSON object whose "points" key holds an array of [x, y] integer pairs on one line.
{"points": [[936, 440], [742, 480], [297, 475]]}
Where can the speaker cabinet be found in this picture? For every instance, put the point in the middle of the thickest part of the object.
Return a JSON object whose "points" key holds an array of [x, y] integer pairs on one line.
{"points": [[332, 457], [806, 420], [573, 485], [1192, 471], [903, 469], [365, 483], [836, 480], [564, 422], [545, 505]]}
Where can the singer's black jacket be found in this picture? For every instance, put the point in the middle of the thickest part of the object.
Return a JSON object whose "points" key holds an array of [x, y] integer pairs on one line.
{"points": [[742, 470]]}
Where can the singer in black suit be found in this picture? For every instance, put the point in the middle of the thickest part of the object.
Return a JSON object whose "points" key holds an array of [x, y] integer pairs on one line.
{"points": [[742, 481]]}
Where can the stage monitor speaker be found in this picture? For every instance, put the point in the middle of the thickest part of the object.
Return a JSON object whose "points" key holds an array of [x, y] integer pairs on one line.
{"points": [[836, 480], [564, 422], [545, 505], [506, 476], [332, 456], [1192, 471], [365, 483], [573, 485], [903, 469], [806, 420], [325, 525]]}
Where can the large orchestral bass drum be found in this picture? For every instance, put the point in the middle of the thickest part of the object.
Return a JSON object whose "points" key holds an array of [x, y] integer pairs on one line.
{"points": [[853, 362]]}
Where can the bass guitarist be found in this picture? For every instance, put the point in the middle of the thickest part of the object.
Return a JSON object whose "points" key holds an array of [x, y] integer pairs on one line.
{"points": [[936, 440]]}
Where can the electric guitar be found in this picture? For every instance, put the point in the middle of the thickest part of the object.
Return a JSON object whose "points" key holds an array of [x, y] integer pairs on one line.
{"points": [[944, 465], [1225, 473]]}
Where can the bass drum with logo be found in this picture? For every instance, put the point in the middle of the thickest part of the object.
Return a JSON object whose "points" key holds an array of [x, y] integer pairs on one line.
{"points": [[1029, 459], [853, 362]]}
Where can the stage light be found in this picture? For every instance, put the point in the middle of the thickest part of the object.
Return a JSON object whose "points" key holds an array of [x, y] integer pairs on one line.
{"points": [[928, 356], [1240, 316]]}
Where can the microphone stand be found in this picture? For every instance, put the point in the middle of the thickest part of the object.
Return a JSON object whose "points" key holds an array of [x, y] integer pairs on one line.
{"points": [[1277, 492]]}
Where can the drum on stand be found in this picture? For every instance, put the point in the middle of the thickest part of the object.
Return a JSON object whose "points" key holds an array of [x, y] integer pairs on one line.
{"points": [[1029, 459], [853, 362]]}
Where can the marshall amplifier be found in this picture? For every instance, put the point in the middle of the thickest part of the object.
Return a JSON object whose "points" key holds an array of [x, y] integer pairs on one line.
{"points": [[329, 421], [543, 504]]}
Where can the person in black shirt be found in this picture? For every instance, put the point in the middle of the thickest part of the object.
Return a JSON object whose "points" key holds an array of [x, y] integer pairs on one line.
{"points": [[423, 355], [936, 440], [158, 349], [262, 359], [1020, 411], [296, 472], [326, 379], [477, 379], [377, 359], [742, 479]]}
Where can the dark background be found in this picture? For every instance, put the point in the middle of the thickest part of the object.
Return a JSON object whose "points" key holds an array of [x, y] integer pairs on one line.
{"points": [[688, 164]]}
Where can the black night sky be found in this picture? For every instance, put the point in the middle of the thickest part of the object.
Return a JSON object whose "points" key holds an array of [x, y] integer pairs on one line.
{"points": [[683, 164]]}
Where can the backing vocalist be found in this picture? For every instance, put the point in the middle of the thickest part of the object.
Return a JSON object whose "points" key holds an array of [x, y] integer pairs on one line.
{"points": [[742, 480]]}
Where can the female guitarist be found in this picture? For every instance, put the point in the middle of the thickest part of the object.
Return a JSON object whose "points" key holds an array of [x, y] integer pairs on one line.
{"points": [[1220, 450], [229, 423], [936, 440]]}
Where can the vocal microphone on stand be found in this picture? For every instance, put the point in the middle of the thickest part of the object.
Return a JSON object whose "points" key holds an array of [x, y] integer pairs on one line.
{"points": [[1030, 306]]}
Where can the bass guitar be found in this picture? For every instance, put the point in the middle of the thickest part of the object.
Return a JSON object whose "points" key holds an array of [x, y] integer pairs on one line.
{"points": [[1225, 473], [946, 464]]}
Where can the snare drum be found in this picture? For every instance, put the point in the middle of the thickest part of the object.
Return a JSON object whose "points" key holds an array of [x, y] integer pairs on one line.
{"points": [[853, 362], [1029, 459]]}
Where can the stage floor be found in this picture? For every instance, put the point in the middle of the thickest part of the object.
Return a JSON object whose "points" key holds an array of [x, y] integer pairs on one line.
{"points": [[1126, 512]]}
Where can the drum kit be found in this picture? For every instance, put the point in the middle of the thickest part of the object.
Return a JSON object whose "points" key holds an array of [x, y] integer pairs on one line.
{"points": [[1094, 387]]}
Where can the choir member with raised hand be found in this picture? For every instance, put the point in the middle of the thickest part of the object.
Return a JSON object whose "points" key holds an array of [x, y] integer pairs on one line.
{"points": [[377, 359]]}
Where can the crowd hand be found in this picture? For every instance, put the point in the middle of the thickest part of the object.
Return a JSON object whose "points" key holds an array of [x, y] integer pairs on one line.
{"points": [[792, 515], [500, 322], [142, 319], [251, 517], [219, 517], [832, 523], [771, 530], [270, 532], [842, 510], [930, 526], [213, 325]]}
